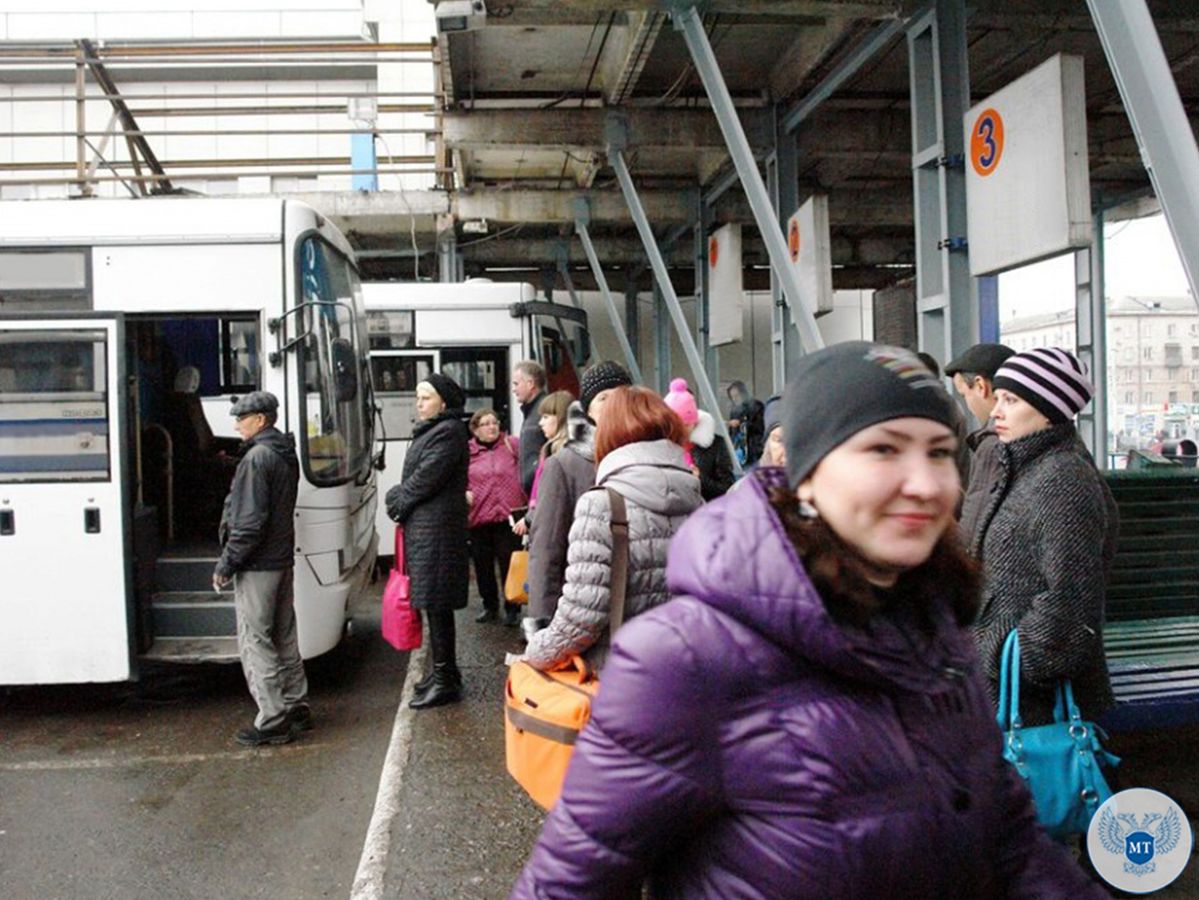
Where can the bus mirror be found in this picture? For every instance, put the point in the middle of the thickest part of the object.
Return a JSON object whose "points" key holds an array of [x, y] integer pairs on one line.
{"points": [[345, 370], [380, 460]]}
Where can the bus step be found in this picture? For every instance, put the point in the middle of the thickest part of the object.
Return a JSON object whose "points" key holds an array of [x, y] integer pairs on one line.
{"points": [[184, 573], [193, 614], [193, 650]]}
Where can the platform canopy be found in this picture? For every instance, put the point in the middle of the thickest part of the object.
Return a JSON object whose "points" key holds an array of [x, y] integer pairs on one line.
{"points": [[527, 95]]}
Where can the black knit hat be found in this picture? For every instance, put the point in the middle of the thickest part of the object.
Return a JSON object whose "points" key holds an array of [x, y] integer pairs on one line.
{"points": [[838, 391], [601, 377], [1049, 378], [447, 388]]}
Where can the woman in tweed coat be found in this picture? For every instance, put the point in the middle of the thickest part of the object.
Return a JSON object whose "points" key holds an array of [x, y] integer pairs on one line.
{"points": [[1046, 539], [639, 454]]}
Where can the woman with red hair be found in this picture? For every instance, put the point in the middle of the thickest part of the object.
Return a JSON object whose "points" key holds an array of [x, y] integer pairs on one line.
{"points": [[638, 454]]}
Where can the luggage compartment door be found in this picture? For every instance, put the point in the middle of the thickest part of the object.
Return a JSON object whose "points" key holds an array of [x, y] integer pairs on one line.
{"points": [[66, 607]]}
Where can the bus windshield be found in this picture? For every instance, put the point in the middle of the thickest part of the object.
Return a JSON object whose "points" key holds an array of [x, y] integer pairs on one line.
{"points": [[337, 399]]}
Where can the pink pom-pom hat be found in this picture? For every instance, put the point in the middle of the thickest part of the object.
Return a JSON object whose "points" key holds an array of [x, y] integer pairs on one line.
{"points": [[680, 399]]}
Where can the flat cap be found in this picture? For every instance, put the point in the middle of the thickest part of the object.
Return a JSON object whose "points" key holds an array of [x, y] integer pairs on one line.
{"points": [[981, 359], [256, 402]]}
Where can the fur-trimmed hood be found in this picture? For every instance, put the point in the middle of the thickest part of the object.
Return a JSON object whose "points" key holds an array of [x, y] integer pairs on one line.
{"points": [[704, 432], [580, 431]]}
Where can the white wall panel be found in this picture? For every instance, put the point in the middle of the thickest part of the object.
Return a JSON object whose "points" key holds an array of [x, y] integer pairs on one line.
{"points": [[143, 25]]}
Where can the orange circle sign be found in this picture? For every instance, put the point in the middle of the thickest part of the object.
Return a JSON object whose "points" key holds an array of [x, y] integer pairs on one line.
{"points": [[793, 240], [713, 251], [986, 142]]}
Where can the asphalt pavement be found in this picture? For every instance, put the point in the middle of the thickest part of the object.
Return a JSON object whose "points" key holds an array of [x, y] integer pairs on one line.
{"points": [[138, 791]]}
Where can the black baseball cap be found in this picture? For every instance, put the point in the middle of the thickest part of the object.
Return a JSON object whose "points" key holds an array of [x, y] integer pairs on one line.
{"points": [[981, 359]]}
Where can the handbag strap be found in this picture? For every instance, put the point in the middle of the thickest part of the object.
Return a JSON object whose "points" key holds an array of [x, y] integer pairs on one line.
{"points": [[618, 581], [1008, 714], [399, 563], [1064, 707]]}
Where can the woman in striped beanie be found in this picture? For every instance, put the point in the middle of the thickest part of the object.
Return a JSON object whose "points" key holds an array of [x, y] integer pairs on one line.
{"points": [[1046, 538]]}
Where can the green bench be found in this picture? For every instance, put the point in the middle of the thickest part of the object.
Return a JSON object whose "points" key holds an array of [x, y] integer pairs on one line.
{"points": [[1152, 633]]}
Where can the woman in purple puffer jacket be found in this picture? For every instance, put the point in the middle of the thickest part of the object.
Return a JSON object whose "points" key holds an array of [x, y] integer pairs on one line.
{"points": [[806, 718]]}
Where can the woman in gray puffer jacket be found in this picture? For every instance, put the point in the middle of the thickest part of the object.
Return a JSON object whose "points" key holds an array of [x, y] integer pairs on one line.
{"points": [[638, 448]]}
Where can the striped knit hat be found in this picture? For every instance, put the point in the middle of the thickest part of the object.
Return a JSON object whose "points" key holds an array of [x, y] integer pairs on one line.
{"points": [[1049, 378]]}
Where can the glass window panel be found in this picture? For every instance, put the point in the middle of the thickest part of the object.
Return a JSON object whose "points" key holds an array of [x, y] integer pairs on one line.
{"points": [[395, 379], [391, 330], [338, 401], [54, 423], [243, 367], [56, 271]]}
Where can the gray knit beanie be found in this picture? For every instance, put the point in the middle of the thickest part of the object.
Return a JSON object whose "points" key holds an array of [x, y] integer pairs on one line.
{"points": [[838, 391]]}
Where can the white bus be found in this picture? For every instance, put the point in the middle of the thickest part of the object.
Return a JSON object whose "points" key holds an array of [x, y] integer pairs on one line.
{"points": [[127, 327], [474, 332]]}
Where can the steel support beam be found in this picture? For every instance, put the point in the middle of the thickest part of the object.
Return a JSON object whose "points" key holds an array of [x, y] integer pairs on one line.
{"points": [[137, 143], [81, 171], [662, 277], [597, 270], [786, 348], [562, 264], [703, 295], [582, 130], [875, 43], [947, 317], [449, 260], [1146, 84], [688, 21], [632, 310], [662, 363], [1090, 311]]}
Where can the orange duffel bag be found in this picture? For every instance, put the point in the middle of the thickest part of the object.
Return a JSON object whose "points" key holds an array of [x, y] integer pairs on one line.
{"points": [[545, 711]]}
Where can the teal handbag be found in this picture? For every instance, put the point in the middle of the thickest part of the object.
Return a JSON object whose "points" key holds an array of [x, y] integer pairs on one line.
{"points": [[1060, 762]]}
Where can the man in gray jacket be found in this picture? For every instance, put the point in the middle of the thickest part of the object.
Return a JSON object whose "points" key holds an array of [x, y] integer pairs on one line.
{"points": [[528, 386], [973, 374], [257, 554]]}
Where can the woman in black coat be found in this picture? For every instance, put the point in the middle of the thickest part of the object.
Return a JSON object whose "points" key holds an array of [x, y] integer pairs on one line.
{"points": [[430, 504]]}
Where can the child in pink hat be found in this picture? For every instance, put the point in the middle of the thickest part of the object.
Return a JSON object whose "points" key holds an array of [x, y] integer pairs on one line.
{"points": [[706, 454], [681, 400]]}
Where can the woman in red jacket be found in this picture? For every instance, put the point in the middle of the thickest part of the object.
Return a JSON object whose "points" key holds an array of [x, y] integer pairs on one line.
{"points": [[493, 491]]}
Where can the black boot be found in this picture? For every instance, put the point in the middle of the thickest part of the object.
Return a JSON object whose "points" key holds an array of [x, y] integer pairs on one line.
{"points": [[427, 682], [423, 685], [446, 686]]}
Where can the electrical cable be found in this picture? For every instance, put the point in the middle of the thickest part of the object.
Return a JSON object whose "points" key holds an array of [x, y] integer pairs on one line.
{"points": [[407, 206]]}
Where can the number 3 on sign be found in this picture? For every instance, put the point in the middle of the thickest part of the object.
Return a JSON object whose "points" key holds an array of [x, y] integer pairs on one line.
{"points": [[986, 142]]}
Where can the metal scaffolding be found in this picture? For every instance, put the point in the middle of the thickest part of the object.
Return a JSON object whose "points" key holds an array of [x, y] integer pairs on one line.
{"points": [[143, 172]]}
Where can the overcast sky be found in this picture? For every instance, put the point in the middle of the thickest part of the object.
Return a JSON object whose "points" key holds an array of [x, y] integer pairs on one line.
{"points": [[1141, 262]]}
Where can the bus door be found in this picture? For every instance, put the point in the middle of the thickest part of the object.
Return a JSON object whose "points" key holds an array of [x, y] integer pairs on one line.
{"points": [[66, 614], [560, 342]]}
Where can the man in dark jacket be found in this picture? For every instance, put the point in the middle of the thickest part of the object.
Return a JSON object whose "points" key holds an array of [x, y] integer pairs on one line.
{"points": [[528, 385], [973, 374], [257, 554]]}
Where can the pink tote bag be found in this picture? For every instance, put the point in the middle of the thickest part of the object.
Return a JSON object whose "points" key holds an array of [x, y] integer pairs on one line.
{"points": [[401, 623]]}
